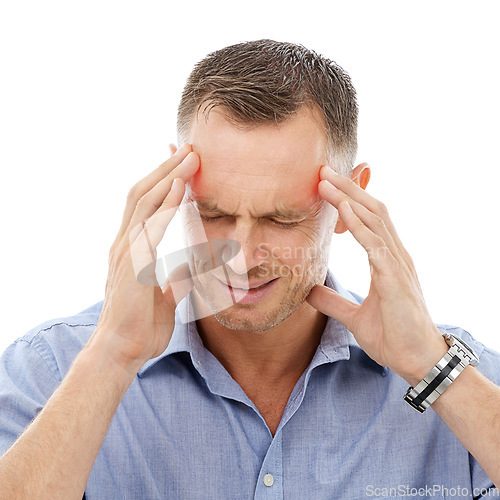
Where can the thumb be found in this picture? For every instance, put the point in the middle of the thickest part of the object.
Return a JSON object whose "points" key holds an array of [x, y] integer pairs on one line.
{"points": [[332, 304]]}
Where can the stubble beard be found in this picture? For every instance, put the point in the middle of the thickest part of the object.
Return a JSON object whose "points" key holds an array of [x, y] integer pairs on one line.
{"points": [[236, 317], [232, 318]]}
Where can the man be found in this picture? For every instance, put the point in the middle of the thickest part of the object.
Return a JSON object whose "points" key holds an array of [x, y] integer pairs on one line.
{"points": [[269, 380]]}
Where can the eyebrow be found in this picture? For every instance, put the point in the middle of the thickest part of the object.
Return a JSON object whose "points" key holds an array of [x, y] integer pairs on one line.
{"points": [[283, 212]]}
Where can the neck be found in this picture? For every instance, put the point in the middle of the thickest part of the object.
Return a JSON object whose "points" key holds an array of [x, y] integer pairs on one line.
{"points": [[282, 352]]}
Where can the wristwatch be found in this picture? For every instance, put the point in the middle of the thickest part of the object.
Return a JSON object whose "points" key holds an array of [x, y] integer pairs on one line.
{"points": [[442, 375]]}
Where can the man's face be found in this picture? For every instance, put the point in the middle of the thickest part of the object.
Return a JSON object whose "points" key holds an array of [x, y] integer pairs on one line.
{"points": [[258, 186]]}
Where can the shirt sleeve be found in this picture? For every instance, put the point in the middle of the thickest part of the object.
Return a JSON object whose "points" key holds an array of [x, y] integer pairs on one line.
{"points": [[489, 366], [26, 383]]}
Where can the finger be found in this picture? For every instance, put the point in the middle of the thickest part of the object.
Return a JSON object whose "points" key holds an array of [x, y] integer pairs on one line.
{"points": [[378, 253], [145, 236], [172, 148], [373, 221], [332, 304], [361, 196], [154, 199], [156, 225], [147, 183]]}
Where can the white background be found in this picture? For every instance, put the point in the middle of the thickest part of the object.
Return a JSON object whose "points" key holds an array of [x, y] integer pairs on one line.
{"points": [[89, 92]]}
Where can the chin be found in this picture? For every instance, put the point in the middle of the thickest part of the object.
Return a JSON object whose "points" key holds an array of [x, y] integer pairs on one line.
{"points": [[251, 319]]}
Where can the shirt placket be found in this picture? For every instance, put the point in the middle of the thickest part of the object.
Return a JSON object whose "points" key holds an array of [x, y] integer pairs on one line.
{"points": [[270, 480]]}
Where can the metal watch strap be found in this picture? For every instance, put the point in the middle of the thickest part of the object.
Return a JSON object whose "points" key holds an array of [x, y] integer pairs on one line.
{"points": [[442, 375]]}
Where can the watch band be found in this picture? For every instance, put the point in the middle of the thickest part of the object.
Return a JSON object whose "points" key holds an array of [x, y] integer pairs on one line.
{"points": [[442, 375]]}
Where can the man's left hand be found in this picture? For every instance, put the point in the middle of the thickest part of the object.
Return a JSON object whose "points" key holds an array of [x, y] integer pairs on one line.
{"points": [[392, 325]]}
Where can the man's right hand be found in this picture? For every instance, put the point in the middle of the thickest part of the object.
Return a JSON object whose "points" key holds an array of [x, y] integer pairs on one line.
{"points": [[54, 455], [137, 319]]}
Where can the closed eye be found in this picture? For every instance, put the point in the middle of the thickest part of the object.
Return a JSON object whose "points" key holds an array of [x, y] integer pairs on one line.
{"points": [[285, 224], [209, 219]]}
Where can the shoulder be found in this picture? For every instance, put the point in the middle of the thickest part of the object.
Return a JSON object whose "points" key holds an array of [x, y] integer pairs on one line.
{"points": [[57, 341], [32, 367]]}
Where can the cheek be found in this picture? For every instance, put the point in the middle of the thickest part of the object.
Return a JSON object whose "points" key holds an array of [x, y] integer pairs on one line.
{"points": [[295, 246], [308, 244]]}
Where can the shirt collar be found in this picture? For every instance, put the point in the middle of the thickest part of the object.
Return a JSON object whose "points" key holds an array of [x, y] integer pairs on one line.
{"points": [[335, 344]]}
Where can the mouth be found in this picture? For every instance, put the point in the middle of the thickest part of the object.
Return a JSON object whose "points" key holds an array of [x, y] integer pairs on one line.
{"points": [[252, 286], [249, 294]]}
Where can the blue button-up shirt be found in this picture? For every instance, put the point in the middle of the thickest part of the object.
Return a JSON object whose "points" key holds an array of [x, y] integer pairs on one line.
{"points": [[186, 430]]}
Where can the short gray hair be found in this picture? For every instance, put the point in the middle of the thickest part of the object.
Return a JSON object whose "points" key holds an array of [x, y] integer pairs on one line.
{"points": [[268, 81]]}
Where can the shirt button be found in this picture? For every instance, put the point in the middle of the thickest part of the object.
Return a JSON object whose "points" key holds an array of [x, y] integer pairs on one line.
{"points": [[268, 480]]}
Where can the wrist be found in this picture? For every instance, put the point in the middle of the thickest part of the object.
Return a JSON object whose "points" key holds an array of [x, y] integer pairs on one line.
{"points": [[458, 357], [429, 355], [107, 352]]}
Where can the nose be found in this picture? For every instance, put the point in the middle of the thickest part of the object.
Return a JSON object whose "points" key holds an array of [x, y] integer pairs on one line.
{"points": [[251, 253]]}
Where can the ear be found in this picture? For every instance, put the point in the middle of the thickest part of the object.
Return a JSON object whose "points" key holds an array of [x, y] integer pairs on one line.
{"points": [[361, 176]]}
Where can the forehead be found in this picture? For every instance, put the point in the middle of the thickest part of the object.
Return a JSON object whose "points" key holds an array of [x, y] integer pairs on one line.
{"points": [[267, 165]]}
